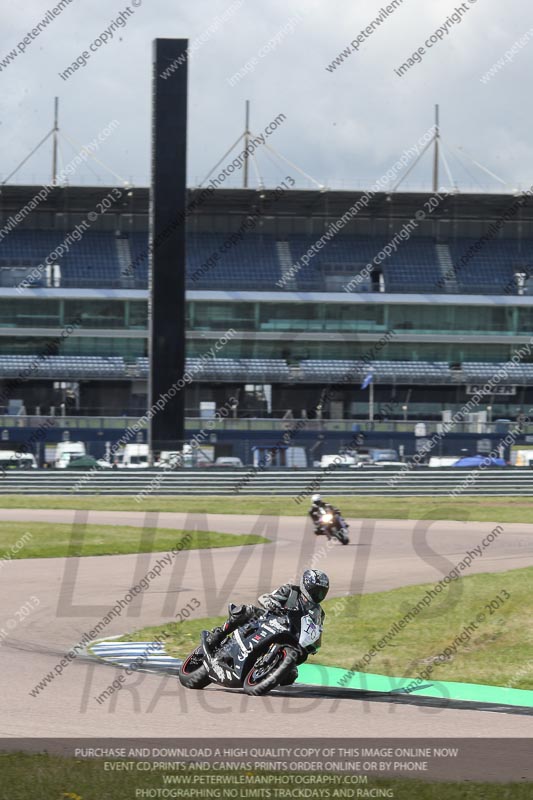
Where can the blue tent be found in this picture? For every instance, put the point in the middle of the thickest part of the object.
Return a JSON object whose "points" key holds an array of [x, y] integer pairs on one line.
{"points": [[478, 461]]}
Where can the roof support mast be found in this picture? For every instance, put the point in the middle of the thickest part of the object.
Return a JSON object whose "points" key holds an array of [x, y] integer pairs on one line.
{"points": [[246, 136], [55, 131], [436, 160], [246, 141]]}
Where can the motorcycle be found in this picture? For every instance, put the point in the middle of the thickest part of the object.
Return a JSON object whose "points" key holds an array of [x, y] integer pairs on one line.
{"points": [[333, 524], [260, 655]]}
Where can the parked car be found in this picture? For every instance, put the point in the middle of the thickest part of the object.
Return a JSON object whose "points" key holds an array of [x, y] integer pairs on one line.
{"points": [[443, 461], [228, 461], [337, 461], [385, 457], [88, 462], [480, 461]]}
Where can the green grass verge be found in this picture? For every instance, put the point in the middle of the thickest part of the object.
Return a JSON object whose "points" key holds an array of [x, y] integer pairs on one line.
{"points": [[52, 540], [498, 652], [46, 777], [481, 509]]}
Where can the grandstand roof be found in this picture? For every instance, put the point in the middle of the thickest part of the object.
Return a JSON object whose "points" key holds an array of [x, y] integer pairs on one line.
{"points": [[294, 201]]}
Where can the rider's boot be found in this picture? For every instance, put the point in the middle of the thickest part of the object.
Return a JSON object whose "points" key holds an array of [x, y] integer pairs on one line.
{"points": [[237, 615], [290, 677]]}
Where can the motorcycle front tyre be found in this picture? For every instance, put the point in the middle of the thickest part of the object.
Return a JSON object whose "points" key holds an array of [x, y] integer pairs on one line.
{"points": [[341, 536], [274, 677]]}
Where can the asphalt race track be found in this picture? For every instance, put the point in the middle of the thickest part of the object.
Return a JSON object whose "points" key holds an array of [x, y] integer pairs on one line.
{"points": [[75, 594]]}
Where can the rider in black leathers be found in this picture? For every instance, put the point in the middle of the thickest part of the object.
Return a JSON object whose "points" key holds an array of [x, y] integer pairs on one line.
{"points": [[313, 588], [315, 512]]}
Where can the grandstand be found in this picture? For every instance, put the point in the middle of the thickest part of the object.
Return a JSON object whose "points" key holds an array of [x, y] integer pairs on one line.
{"points": [[431, 321], [105, 259]]}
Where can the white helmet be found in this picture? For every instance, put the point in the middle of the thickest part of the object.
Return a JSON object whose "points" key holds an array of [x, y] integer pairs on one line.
{"points": [[316, 498]]}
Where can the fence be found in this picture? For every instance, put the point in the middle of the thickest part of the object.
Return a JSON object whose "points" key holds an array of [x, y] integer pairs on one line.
{"points": [[380, 482]]}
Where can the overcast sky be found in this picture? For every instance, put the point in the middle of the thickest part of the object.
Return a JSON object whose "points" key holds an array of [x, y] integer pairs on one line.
{"points": [[345, 128]]}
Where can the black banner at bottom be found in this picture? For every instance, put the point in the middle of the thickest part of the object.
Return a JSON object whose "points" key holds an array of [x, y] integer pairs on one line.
{"points": [[265, 768]]}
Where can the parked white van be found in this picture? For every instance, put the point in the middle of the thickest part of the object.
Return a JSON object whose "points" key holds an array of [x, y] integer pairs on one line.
{"points": [[135, 456], [66, 451], [12, 459], [169, 459], [522, 458]]}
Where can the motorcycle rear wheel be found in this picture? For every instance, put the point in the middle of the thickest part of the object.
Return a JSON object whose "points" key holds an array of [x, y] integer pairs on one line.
{"points": [[258, 683], [193, 672]]}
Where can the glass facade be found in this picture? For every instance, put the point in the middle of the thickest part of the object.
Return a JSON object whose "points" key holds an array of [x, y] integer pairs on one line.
{"points": [[271, 317], [361, 318], [209, 316], [21, 313], [293, 319], [295, 351], [76, 346], [95, 314]]}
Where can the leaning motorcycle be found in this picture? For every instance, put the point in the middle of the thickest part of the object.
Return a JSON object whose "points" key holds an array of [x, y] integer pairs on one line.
{"points": [[260, 655], [333, 524]]}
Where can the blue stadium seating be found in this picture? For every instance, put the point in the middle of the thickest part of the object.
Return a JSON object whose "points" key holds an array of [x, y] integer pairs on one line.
{"points": [[101, 259], [229, 369], [250, 263], [74, 367], [269, 370], [414, 264], [91, 261], [492, 268], [139, 258]]}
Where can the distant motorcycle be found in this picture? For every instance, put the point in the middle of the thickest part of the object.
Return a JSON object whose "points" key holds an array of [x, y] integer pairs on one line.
{"points": [[259, 656], [333, 524]]}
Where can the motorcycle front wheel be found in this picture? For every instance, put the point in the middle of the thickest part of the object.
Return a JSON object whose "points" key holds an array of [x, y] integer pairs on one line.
{"points": [[193, 672], [341, 536], [268, 671]]}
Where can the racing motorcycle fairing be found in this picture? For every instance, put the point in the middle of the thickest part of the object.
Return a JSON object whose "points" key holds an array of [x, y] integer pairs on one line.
{"points": [[260, 641]]}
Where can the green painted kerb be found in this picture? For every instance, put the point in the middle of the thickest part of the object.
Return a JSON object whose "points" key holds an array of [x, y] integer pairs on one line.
{"points": [[333, 677]]}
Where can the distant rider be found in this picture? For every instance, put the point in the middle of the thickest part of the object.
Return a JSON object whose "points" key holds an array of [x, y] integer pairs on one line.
{"points": [[318, 506]]}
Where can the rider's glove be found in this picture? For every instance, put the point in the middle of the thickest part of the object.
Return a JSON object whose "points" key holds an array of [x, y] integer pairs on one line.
{"points": [[272, 606]]}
